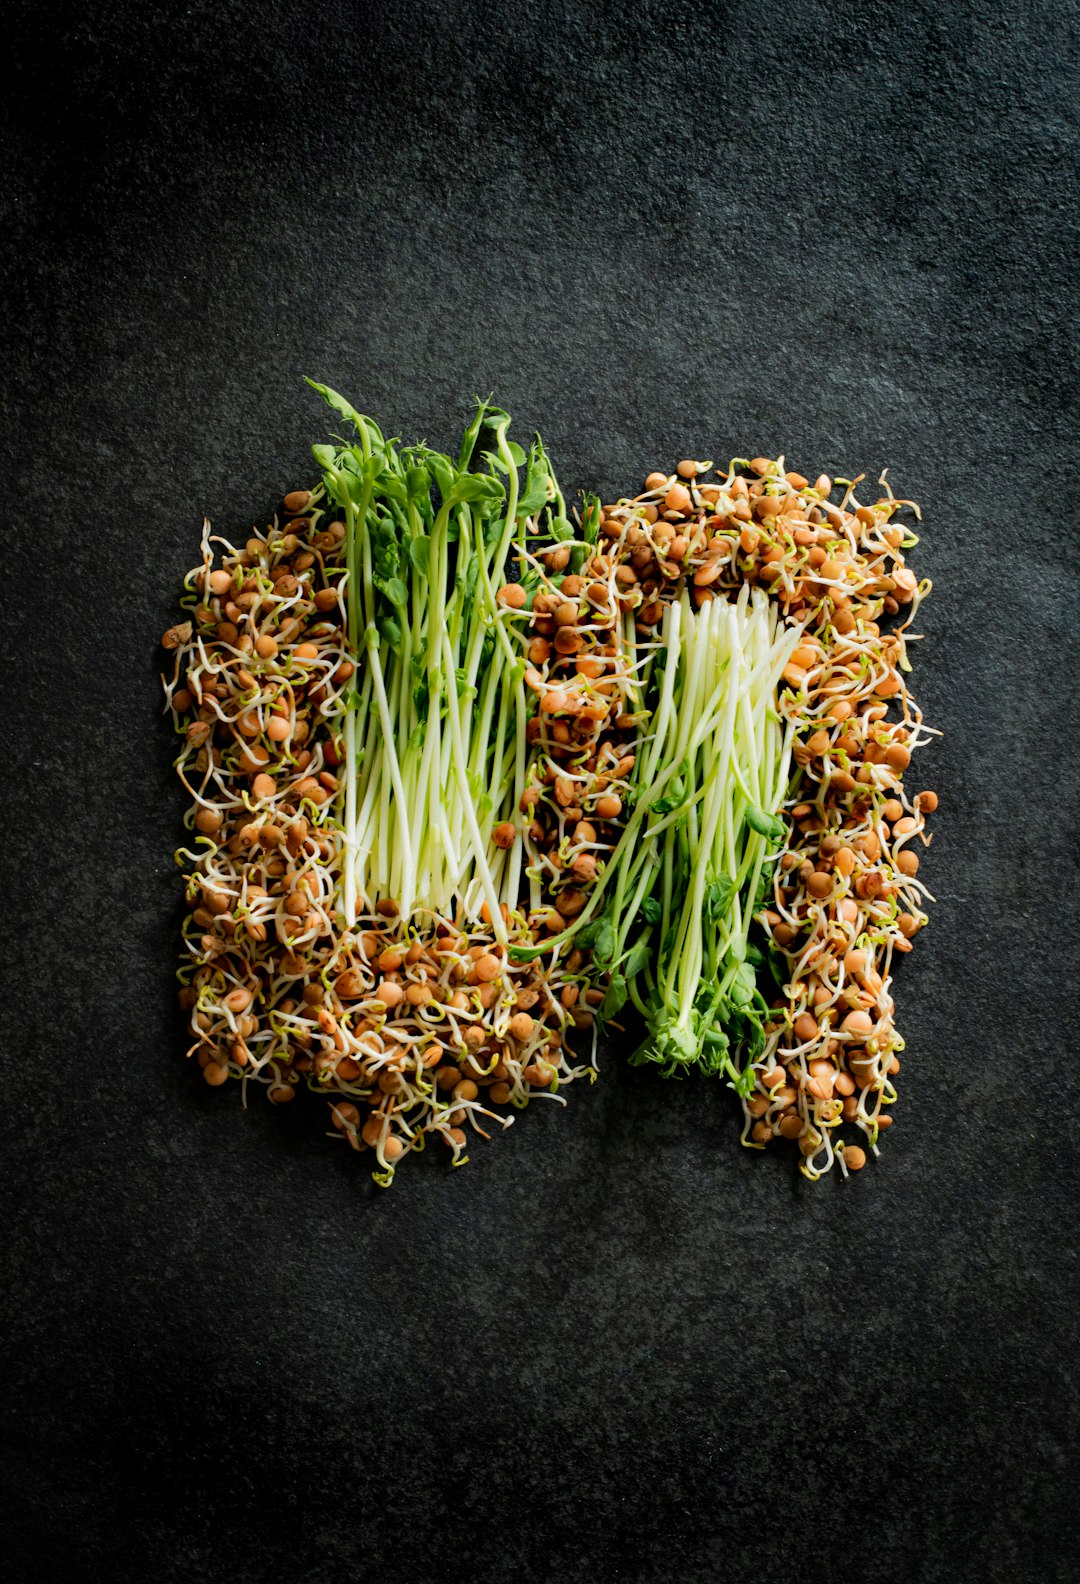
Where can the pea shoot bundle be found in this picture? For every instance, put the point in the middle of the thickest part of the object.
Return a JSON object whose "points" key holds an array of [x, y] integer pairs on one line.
{"points": [[475, 777]]}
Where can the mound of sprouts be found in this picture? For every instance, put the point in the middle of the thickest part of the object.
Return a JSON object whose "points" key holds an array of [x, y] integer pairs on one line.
{"points": [[470, 775]]}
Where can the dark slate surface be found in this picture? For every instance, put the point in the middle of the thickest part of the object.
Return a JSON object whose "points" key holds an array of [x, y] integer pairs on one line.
{"points": [[615, 1347]]}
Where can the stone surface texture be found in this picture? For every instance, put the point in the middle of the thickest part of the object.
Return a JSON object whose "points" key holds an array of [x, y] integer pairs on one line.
{"points": [[615, 1347]]}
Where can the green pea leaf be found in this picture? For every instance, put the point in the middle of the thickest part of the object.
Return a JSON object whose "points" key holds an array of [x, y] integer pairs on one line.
{"points": [[475, 487], [392, 488], [742, 986], [339, 404], [443, 474], [765, 824], [534, 497], [604, 943], [744, 1083], [615, 997], [350, 486], [637, 961], [590, 519], [718, 898], [420, 554], [755, 1040], [469, 438]]}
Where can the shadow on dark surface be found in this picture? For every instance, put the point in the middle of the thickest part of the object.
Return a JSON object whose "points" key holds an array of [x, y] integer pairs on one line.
{"points": [[615, 1346]]}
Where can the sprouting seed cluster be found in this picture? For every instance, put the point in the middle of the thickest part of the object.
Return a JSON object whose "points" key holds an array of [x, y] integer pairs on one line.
{"points": [[845, 896], [469, 774]]}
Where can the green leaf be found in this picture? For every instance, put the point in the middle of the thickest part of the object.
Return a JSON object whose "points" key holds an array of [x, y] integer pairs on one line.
{"points": [[420, 554], [637, 961], [587, 934], [387, 556], [351, 486], [590, 519], [604, 943], [475, 487], [755, 1043], [562, 528], [524, 954], [326, 457], [390, 630], [743, 985], [444, 475], [718, 898], [534, 497], [392, 488], [493, 528], [744, 1083], [670, 1042], [765, 824], [469, 438], [713, 1061], [395, 591], [672, 799], [516, 452], [340, 405], [417, 482], [615, 998], [651, 910]]}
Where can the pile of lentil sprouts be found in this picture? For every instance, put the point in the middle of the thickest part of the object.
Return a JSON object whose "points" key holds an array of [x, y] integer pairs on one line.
{"points": [[475, 777]]}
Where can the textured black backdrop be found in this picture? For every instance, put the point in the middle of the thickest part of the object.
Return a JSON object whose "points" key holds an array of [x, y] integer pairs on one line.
{"points": [[615, 1347]]}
